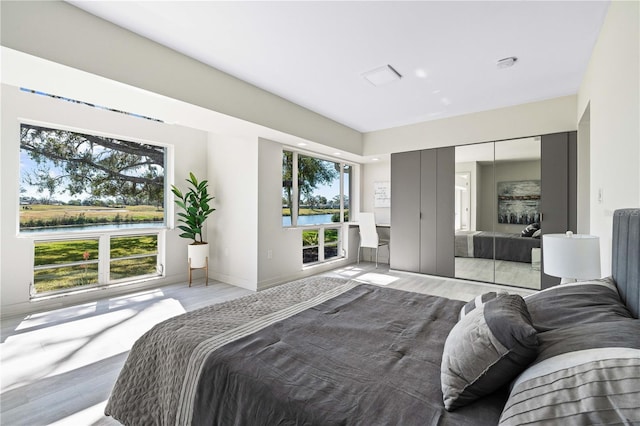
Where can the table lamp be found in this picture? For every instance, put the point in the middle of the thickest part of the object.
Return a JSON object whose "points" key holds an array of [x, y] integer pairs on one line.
{"points": [[571, 256]]}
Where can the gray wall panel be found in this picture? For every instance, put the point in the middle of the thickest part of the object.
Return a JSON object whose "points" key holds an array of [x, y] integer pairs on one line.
{"points": [[555, 191]]}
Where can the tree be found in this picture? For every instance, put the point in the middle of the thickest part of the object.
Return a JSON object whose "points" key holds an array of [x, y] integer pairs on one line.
{"points": [[96, 165], [44, 179], [312, 172]]}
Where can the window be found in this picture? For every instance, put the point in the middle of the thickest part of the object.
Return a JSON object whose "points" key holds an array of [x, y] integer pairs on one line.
{"points": [[316, 195], [64, 265], [70, 264], [84, 199], [73, 181], [320, 244], [314, 190], [133, 256]]}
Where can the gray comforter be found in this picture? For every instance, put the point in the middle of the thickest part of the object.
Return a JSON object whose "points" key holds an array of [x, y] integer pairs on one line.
{"points": [[320, 353]]}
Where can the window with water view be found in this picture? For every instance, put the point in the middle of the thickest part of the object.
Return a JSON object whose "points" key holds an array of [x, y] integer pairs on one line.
{"points": [[74, 182], [315, 192]]}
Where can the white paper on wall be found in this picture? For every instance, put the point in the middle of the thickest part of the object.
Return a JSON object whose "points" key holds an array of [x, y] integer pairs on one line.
{"points": [[382, 194]]}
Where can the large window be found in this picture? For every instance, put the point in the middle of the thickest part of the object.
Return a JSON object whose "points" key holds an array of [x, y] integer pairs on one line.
{"points": [[315, 191], [73, 181], [84, 199]]}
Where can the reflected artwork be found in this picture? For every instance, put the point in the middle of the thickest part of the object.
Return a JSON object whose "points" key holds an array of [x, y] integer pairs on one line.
{"points": [[519, 202]]}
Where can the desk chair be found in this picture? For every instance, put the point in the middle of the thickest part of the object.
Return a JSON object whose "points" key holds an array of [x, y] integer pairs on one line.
{"points": [[369, 234]]}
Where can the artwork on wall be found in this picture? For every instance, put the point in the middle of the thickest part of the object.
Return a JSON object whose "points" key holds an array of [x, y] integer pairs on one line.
{"points": [[519, 202]]}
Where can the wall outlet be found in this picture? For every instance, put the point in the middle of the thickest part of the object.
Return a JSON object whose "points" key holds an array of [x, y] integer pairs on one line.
{"points": [[269, 254], [600, 195]]}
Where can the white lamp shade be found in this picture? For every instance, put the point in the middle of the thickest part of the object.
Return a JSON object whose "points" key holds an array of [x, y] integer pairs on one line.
{"points": [[571, 256]]}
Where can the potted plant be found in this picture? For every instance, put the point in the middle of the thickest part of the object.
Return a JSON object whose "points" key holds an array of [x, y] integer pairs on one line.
{"points": [[195, 210]]}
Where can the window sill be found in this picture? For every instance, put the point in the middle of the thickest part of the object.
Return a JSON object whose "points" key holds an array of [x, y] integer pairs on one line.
{"points": [[75, 292]]}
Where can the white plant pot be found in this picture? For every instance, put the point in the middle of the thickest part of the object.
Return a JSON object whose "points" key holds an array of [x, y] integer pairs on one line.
{"points": [[198, 254]]}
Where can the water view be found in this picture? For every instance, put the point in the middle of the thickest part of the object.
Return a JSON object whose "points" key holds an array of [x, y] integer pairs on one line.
{"points": [[311, 219], [97, 227]]}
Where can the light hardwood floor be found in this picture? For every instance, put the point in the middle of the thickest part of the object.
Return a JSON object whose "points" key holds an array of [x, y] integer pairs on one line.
{"points": [[58, 367]]}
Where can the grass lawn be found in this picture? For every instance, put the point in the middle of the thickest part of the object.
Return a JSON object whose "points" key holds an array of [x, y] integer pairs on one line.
{"points": [[41, 215]]}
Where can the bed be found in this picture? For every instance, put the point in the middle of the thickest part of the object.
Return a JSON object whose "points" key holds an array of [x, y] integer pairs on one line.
{"points": [[330, 351], [480, 244]]}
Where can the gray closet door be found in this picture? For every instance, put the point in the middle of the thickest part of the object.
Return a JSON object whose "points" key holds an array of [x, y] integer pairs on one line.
{"points": [[422, 211], [404, 246], [445, 212], [558, 202], [428, 211]]}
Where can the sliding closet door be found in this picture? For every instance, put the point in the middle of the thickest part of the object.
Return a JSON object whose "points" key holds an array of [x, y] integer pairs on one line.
{"points": [[558, 188], [405, 211]]}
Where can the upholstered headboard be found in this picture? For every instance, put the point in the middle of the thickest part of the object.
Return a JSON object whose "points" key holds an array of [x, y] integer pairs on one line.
{"points": [[625, 262]]}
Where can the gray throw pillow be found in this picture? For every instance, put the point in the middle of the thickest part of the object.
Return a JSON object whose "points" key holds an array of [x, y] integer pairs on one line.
{"points": [[485, 350], [476, 302]]}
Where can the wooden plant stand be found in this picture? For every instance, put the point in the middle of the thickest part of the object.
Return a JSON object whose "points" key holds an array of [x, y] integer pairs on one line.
{"points": [[205, 267]]}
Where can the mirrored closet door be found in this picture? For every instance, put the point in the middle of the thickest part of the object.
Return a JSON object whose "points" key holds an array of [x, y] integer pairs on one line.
{"points": [[497, 212]]}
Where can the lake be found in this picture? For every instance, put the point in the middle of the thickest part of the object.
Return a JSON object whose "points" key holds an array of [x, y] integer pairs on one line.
{"points": [[312, 219], [103, 227]]}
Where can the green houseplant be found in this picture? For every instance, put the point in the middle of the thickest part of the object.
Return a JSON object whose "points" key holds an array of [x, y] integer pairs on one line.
{"points": [[195, 208], [195, 211]]}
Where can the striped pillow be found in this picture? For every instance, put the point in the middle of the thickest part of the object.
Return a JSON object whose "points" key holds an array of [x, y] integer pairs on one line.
{"points": [[585, 374]]}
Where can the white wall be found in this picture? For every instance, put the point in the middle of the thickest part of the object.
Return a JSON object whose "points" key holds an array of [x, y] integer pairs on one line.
{"points": [[611, 91], [17, 251], [375, 171], [232, 228], [537, 118]]}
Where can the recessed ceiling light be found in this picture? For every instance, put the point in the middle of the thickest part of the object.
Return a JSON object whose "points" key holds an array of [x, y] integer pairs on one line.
{"points": [[506, 62], [382, 75], [375, 159], [421, 73], [302, 144], [337, 153]]}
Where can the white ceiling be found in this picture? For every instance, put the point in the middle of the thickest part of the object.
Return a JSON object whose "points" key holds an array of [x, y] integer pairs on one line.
{"points": [[314, 52]]}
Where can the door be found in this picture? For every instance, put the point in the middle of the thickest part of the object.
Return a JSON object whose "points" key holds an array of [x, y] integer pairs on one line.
{"points": [[404, 246]]}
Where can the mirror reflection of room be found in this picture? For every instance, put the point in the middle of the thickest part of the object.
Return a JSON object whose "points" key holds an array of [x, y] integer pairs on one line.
{"points": [[497, 217]]}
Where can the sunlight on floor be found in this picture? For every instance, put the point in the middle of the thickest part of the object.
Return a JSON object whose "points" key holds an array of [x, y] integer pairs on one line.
{"points": [[378, 279], [349, 271]]}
